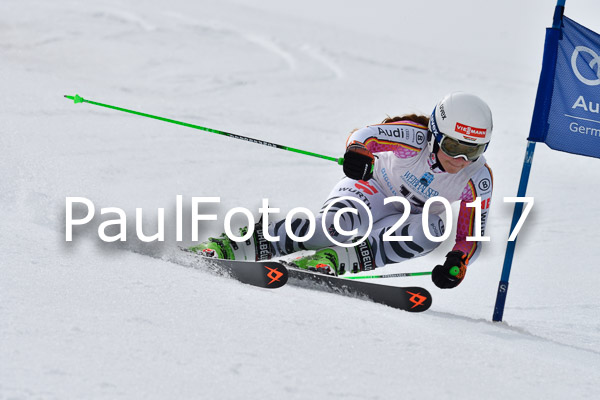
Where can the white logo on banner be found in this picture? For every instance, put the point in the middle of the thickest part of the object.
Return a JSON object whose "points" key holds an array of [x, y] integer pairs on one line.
{"points": [[595, 62]]}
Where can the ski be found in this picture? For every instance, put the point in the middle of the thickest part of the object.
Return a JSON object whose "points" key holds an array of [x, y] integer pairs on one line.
{"points": [[411, 299], [264, 274], [273, 274]]}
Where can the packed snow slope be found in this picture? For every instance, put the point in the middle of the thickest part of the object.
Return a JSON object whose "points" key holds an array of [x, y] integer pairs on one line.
{"points": [[92, 320]]}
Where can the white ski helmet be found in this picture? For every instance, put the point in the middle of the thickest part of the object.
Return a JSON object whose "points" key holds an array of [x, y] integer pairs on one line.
{"points": [[461, 125]]}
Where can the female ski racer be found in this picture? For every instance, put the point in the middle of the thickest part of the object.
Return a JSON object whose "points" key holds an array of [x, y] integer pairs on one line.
{"points": [[413, 157]]}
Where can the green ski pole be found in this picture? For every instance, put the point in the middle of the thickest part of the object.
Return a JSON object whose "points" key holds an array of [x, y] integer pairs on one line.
{"points": [[78, 99], [453, 271], [398, 275]]}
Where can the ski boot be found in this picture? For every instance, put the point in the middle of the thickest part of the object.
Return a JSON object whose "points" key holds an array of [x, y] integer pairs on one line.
{"points": [[338, 260], [324, 261], [257, 248], [220, 247]]}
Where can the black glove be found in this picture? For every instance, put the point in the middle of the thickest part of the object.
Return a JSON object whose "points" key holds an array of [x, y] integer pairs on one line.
{"points": [[453, 271], [358, 162]]}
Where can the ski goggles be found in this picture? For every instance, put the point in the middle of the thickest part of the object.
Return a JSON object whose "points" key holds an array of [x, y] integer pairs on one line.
{"points": [[455, 148]]}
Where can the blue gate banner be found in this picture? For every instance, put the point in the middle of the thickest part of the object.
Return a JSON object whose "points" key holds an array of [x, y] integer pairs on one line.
{"points": [[567, 111]]}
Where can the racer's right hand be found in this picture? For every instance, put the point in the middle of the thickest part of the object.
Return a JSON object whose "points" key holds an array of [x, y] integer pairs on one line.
{"points": [[358, 162]]}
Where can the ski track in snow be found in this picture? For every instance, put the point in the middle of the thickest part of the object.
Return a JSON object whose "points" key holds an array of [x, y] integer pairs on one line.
{"points": [[124, 17], [292, 59], [263, 42], [512, 329], [319, 55], [272, 47]]}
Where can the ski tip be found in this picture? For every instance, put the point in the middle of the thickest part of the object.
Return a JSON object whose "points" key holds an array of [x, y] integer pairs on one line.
{"points": [[276, 274], [419, 300], [264, 274]]}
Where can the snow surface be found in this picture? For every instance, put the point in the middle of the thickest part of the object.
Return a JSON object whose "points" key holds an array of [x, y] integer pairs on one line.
{"points": [[92, 320]]}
